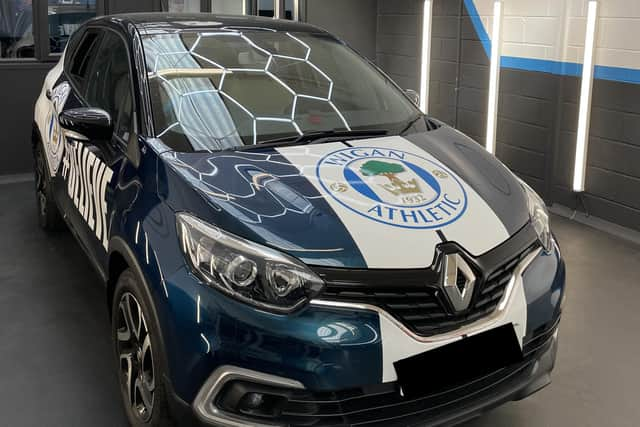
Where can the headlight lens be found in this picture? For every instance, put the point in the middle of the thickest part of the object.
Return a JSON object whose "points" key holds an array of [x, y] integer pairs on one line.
{"points": [[539, 216], [245, 270]]}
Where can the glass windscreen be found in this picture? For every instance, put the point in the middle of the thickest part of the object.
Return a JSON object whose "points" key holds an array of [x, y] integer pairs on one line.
{"points": [[228, 88]]}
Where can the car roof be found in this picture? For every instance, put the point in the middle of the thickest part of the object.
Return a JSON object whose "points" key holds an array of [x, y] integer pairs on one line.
{"points": [[162, 22]]}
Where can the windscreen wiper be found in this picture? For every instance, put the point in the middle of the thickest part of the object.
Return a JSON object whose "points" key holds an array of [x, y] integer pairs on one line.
{"points": [[315, 138]]}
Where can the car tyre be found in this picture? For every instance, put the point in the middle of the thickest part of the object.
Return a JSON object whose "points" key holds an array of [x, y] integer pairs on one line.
{"points": [[139, 354], [49, 216]]}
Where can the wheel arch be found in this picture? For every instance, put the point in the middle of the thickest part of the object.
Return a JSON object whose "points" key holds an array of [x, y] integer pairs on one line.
{"points": [[120, 258]]}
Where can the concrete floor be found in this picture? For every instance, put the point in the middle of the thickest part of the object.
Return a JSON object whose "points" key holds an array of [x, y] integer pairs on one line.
{"points": [[55, 355]]}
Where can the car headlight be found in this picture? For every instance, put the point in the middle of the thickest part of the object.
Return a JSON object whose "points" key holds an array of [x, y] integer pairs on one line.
{"points": [[539, 217], [250, 272]]}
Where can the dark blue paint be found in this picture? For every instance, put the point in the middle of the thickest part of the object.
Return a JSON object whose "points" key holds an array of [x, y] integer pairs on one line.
{"points": [[142, 200], [290, 216], [494, 183], [544, 287], [289, 346]]}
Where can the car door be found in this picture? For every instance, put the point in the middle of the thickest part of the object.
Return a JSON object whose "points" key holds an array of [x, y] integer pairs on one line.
{"points": [[89, 168]]}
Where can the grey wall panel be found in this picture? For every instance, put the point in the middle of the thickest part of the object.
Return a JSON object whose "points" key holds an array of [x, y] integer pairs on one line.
{"points": [[473, 52], [615, 157], [395, 7], [21, 87], [399, 65], [613, 212], [352, 20], [400, 44], [472, 123], [613, 162], [527, 115], [474, 76], [526, 163], [564, 149], [398, 40], [524, 135], [445, 52], [473, 96], [614, 187]]}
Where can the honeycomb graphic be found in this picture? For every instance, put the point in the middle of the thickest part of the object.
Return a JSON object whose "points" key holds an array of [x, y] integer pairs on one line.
{"points": [[211, 78]]}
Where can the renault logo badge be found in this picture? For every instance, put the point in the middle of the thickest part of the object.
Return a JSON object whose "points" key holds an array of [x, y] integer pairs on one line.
{"points": [[458, 281]]}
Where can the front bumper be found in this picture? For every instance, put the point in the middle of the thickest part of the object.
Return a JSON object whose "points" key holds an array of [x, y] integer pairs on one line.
{"points": [[383, 405], [343, 356]]}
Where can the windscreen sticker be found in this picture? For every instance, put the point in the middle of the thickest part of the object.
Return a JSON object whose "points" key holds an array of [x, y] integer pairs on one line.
{"points": [[393, 187]]}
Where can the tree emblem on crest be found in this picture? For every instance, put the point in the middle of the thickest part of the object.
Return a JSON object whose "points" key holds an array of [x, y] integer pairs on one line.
{"points": [[396, 186]]}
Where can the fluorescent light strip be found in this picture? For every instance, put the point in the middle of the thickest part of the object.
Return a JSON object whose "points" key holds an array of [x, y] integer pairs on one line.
{"points": [[425, 66], [244, 7], [277, 9], [584, 114], [494, 77]]}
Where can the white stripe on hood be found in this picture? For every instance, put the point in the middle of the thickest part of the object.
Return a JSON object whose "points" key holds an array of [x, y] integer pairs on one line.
{"points": [[382, 242]]}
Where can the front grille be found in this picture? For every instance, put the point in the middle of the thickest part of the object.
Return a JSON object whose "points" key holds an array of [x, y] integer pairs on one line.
{"points": [[419, 303]]}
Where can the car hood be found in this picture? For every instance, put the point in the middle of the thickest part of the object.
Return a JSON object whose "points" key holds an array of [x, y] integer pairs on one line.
{"points": [[370, 203]]}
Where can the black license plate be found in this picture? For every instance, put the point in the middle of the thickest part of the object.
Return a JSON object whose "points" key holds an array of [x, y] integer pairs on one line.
{"points": [[459, 362]]}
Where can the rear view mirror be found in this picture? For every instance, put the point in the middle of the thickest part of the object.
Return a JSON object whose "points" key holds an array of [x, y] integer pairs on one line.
{"points": [[91, 124], [413, 96]]}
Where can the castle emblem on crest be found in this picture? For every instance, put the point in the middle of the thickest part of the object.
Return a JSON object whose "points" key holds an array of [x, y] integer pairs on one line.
{"points": [[396, 186]]}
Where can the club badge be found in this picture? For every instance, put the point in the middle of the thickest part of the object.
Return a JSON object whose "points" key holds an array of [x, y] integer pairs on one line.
{"points": [[393, 187]]}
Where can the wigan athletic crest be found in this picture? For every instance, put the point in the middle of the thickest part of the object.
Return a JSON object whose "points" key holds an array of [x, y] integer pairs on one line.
{"points": [[393, 187]]}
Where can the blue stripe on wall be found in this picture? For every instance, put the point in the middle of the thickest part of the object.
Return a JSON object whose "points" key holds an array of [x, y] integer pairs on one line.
{"points": [[618, 74]]}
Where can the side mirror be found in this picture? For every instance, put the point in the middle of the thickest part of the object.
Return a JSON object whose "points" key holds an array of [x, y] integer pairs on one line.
{"points": [[84, 123], [413, 96]]}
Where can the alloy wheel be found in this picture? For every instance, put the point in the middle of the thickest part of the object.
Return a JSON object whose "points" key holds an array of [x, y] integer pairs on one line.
{"points": [[135, 357]]}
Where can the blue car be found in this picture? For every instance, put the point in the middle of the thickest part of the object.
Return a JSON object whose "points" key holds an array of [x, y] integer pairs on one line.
{"points": [[284, 237]]}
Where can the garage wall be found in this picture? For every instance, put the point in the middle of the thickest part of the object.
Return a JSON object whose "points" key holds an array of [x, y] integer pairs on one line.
{"points": [[354, 21], [398, 41], [613, 162], [21, 86], [445, 60], [539, 95]]}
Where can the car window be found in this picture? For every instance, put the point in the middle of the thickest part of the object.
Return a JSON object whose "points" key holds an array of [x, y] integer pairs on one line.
{"points": [[82, 57], [223, 89], [109, 84]]}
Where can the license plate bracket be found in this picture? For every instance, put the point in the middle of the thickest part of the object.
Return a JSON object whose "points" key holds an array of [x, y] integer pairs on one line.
{"points": [[459, 362]]}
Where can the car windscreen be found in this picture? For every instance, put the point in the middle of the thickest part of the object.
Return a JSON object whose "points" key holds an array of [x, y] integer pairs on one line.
{"points": [[228, 88]]}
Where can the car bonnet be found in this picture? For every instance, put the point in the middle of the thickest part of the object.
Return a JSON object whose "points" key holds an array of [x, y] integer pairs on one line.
{"points": [[371, 203]]}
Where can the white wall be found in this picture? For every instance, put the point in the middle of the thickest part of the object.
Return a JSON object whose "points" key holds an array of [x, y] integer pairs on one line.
{"points": [[555, 30]]}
